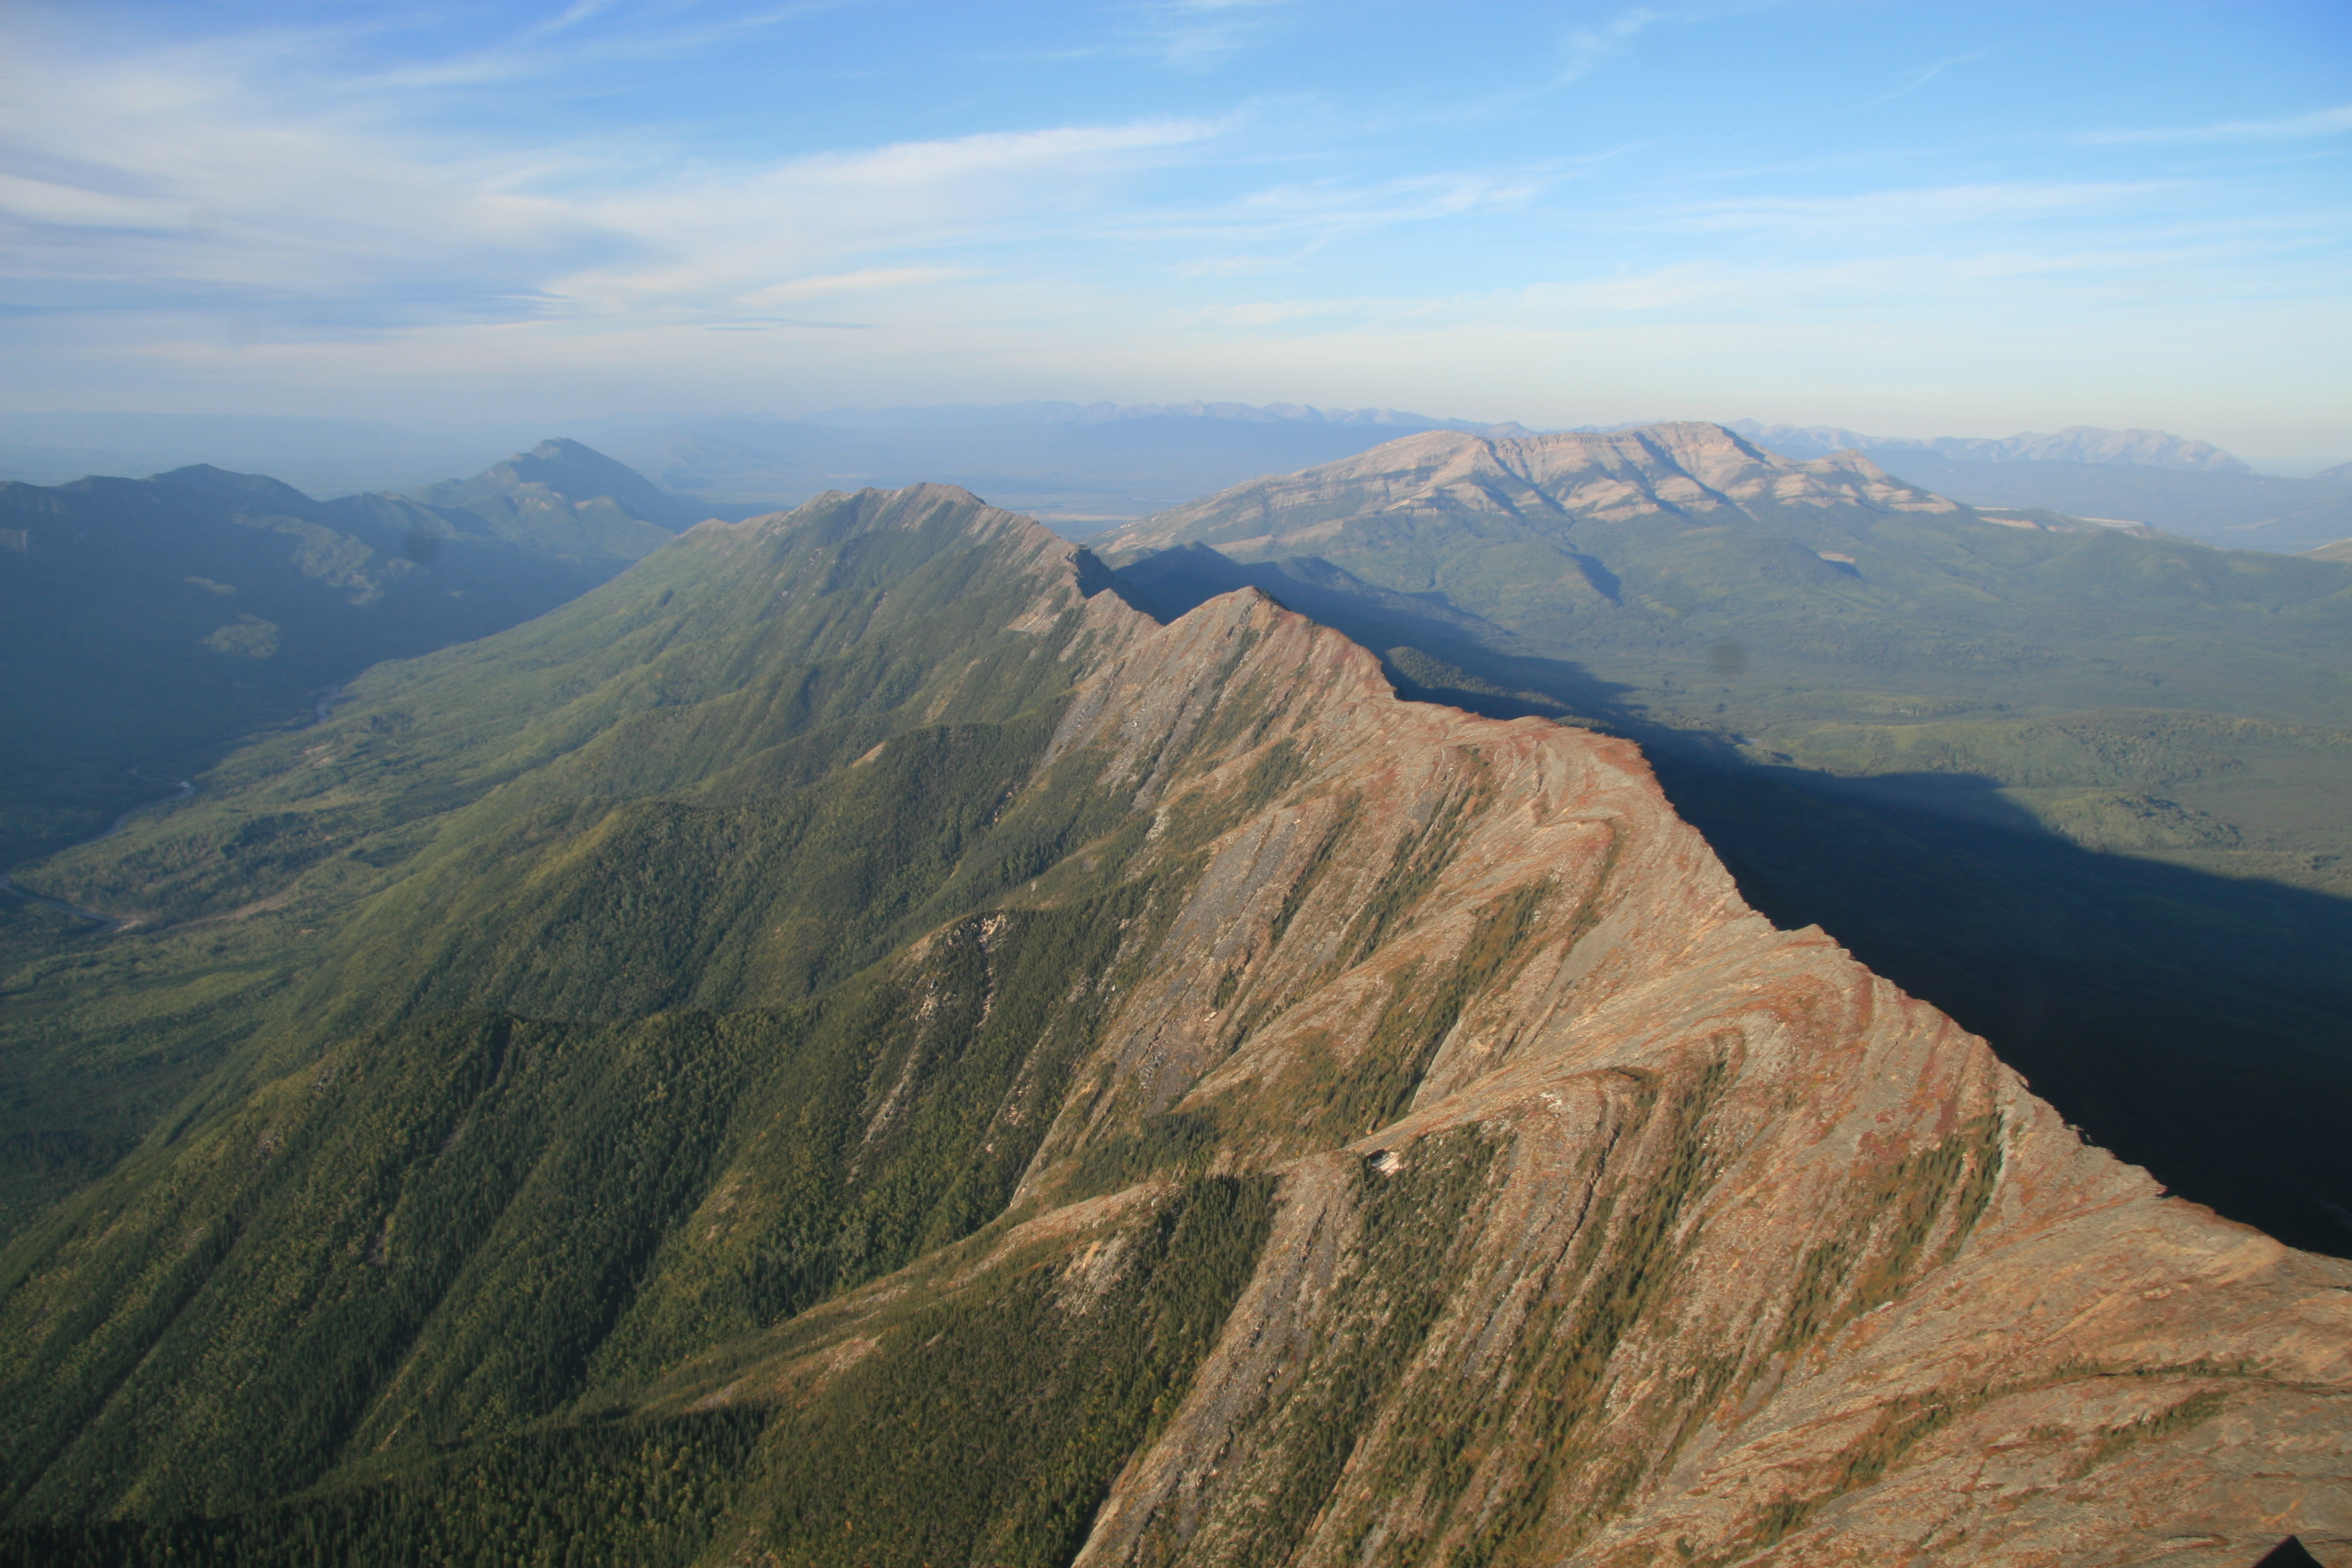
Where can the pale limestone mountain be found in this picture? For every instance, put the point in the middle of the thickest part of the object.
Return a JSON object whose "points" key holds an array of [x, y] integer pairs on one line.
{"points": [[1687, 470]]}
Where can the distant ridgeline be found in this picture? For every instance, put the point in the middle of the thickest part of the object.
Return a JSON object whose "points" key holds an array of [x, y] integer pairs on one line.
{"points": [[2190, 488], [855, 1044], [145, 619]]}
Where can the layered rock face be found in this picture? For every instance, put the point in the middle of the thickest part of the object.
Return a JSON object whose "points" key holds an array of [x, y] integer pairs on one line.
{"points": [[1280, 1123]]}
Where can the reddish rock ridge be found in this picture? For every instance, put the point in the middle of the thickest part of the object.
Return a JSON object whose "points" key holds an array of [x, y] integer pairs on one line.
{"points": [[1615, 1225], [1692, 469]]}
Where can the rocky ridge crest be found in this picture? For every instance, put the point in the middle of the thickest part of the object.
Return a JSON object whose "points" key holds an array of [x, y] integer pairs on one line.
{"points": [[1726, 1251]]}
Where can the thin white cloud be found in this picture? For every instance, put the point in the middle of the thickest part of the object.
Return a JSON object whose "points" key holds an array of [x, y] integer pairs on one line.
{"points": [[1922, 77], [192, 179], [1262, 314], [722, 242], [1281, 228], [567, 43], [1586, 47], [571, 15], [2321, 122], [1189, 34], [346, 216], [1891, 210], [864, 280]]}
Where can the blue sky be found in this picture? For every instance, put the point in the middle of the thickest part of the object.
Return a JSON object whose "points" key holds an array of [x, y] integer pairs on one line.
{"points": [[1910, 219]]}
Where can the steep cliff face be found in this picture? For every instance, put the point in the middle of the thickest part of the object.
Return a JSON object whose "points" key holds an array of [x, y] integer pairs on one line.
{"points": [[1267, 1121]]}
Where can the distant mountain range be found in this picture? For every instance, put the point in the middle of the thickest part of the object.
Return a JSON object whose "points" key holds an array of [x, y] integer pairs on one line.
{"points": [[1392, 421], [319, 456], [1082, 466], [2075, 444], [142, 619], [561, 491], [1073, 465], [2190, 488]]}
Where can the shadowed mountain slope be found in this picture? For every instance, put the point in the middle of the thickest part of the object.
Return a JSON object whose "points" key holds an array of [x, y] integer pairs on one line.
{"points": [[854, 1012], [2083, 789], [144, 620]]}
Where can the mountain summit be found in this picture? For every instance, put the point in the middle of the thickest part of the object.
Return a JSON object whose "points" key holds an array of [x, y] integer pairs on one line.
{"points": [[561, 485], [853, 1044]]}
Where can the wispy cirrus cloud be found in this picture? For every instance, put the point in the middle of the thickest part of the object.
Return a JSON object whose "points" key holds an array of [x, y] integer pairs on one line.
{"points": [[1283, 227], [1893, 211], [1926, 74], [555, 195], [1190, 34], [2320, 122], [727, 239], [1584, 49], [194, 178]]}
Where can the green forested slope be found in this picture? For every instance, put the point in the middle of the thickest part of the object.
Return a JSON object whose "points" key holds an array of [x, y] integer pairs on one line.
{"points": [[145, 621], [553, 931]]}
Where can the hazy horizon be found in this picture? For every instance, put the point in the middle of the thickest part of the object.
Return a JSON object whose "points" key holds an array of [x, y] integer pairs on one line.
{"points": [[1977, 221]]}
